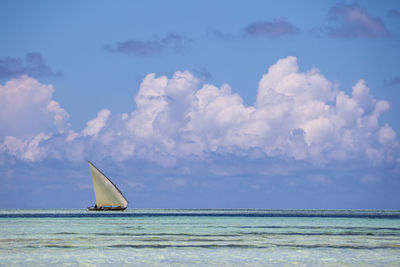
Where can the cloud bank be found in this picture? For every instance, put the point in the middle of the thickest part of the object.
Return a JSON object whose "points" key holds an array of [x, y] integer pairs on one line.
{"points": [[270, 29], [355, 22], [393, 82], [275, 28], [33, 64], [297, 117], [150, 47], [393, 13]]}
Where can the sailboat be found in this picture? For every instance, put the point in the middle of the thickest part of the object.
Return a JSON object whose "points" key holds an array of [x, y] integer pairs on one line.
{"points": [[108, 196]]}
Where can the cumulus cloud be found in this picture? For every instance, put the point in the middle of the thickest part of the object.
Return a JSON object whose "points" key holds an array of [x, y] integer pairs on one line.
{"points": [[29, 149], [33, 64], [298, 116], [386, 134], [275, 28], [150, 47], [94, 126], [355, 22], [27, 108], [28, 117]]}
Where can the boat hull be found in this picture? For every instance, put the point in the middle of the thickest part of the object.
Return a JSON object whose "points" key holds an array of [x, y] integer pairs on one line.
{"points": [[106, 208]]}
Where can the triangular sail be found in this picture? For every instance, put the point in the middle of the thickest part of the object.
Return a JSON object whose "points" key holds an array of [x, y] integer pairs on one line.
{"points": [[106, 193]]}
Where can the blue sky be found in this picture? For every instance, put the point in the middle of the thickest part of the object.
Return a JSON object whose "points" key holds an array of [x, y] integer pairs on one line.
{"points": [[201, 104]]}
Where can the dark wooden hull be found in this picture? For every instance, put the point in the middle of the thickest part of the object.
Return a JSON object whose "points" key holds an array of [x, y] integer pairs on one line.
{"points": [[106, 208]]}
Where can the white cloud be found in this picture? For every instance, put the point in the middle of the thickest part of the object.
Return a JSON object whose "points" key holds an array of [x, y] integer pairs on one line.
{"points": [[27, 108], [94, 126], [14, 146], [298, 115], [29, 117], [29, 150], [386, 135], [60, 116]]}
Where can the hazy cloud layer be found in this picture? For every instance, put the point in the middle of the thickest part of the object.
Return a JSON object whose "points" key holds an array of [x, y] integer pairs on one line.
{"points": [[150, 47], [355, 22], [222, 35], [275, 28], [298, 116], [394, 13], [393, 82], [272, 29], [33, 64]]}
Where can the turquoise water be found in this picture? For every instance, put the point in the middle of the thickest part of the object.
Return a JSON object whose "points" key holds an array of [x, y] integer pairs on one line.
{"points": [[199, 237]]}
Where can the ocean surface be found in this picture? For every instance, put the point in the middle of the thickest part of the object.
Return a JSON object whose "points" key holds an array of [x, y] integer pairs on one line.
{"points": [[169, 237]]}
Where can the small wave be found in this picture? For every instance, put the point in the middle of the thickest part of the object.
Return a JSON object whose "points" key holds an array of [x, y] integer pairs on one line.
{"points": [[66, 233], [320, 234], [339, 246], [167, 234], [59, 246], [209, 246], [361, 228], [50, 246]]}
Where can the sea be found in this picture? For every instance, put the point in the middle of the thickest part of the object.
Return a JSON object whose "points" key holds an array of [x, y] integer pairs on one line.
{"points": [[175, 237]]}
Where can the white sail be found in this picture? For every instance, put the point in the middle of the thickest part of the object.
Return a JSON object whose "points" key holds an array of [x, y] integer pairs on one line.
{"points": [[106, 193]]}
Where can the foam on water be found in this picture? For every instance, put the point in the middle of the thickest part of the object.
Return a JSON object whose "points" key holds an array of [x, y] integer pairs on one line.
{"points": [[199, 237]]}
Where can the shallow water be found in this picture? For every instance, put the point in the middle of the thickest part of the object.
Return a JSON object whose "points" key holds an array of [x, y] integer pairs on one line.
{"points": [[199, 237]]}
